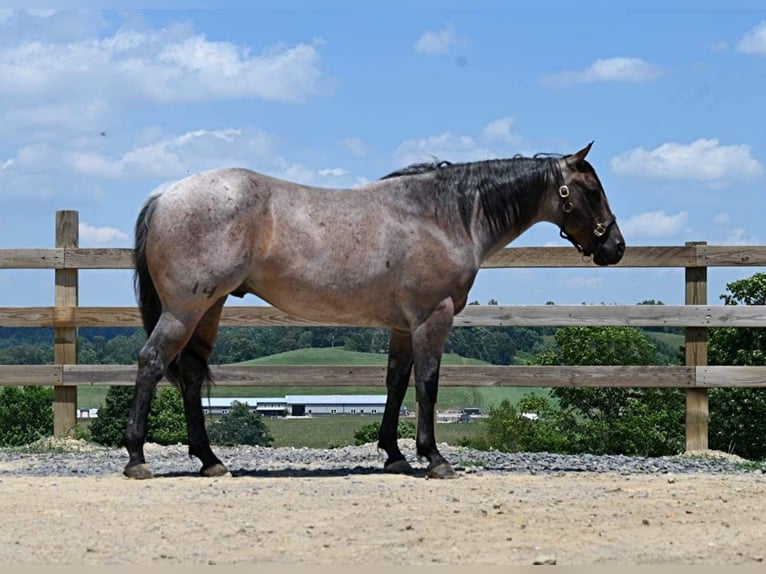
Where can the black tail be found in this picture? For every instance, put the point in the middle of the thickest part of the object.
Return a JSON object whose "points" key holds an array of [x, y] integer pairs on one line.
{"points": [[148, 300]]}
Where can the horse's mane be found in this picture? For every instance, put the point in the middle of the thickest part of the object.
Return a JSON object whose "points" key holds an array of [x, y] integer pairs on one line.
{"points": [[503, 187]]}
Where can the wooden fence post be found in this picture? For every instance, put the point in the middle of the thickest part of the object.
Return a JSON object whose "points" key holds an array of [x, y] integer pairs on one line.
{"points": [[697, 414], [65, 338]]}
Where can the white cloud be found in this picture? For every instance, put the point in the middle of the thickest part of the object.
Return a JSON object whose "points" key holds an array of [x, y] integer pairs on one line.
{"points": [[168, 65], [618, 69], [500, 130], [446, 146], [703, 160], [356, 146], [436, 43], [754, 41], [101, 235], [654, 224], [739, 236], [333, 172], [178, 156]]}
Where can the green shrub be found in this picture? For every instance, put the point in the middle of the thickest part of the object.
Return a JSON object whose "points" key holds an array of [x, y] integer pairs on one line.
{"points": [[240, 426], [507, 427], [166, 423], [26, 414], [369, 432]]}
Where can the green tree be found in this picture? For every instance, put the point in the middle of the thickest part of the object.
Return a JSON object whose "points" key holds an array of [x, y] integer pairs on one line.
{"points": [[738, 415], [26, 414], [240, 426], [619, 420]]}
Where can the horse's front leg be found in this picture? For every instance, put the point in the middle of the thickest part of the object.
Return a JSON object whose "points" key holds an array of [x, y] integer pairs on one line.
{"points": [[428, 345], [397, 379]]}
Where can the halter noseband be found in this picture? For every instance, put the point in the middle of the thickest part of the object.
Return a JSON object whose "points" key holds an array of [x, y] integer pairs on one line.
{"points": [[600, 229]]}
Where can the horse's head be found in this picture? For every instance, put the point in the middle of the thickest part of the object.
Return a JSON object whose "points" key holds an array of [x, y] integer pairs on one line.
{"points": [[584, 215]]}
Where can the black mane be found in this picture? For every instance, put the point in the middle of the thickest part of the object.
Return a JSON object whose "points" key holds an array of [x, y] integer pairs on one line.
{"points": [[504, 187]]}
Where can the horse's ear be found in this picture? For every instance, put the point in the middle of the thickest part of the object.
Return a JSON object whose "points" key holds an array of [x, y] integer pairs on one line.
{"points": [[579, 157]]}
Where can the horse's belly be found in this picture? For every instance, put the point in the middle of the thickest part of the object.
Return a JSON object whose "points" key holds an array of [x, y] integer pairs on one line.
{"points": [[333, 306]]}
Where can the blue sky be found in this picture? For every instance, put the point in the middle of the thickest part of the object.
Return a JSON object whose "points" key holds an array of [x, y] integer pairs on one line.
{"points": [[99, 108]]}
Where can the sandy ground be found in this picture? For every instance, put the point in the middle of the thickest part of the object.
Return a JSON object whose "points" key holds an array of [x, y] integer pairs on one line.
{"points": [[569, 519]]}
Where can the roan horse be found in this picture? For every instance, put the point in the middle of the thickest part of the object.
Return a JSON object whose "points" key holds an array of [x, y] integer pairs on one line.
{"points": [[401, 253]]}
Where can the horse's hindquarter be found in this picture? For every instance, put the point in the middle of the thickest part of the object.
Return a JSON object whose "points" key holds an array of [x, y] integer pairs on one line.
{"points": [[354, 256]]}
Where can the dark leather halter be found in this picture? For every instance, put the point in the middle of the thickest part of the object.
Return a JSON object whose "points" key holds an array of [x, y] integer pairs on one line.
{"points": [[600, 229]]}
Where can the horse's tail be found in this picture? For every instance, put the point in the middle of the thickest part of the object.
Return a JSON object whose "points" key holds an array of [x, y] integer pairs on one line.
{"points": [[146, 294]]}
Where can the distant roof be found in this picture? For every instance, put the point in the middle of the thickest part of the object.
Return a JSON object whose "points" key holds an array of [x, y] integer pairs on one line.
{"points": [[252, 401], [220, 402], [336, 399]]}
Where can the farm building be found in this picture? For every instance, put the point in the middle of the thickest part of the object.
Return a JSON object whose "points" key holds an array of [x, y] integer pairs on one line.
{"points": [[266, 406], [301, 405]]}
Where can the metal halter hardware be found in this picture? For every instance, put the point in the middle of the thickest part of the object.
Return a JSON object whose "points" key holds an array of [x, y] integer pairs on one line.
{"points": [[599, 228]]}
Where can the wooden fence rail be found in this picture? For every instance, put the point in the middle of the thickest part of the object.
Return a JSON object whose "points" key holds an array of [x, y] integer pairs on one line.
{"points": [[696, 316]]}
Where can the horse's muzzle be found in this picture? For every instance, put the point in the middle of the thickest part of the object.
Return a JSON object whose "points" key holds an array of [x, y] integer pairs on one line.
{"points": [[611, 250]]}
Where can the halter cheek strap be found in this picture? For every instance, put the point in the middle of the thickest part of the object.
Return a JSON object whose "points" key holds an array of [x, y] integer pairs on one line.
{"points": [[599, 228]]}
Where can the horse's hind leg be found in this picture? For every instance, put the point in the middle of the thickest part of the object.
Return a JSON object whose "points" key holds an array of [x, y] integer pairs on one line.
{"points": [[193, 366], [397, 379], [428, 344], [166, 340]]}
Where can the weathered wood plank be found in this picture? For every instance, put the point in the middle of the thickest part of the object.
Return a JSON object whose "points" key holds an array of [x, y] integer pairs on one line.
{"points": [[472, 316], [31, 258], [612, 315], [695, 351], [30, 375], [659, 256], [65, 338], [731, 255], [99, 258], [469, 375], [26, 316], [474, 376], [510, 257], [729, 376]]}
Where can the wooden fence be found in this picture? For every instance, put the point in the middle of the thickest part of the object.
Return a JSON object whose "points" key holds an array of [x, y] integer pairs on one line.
{"points": [[696, 316]]}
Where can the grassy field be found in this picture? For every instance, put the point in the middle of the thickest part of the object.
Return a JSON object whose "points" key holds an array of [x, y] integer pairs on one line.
{"points": [[449, 397], [338, 431]]}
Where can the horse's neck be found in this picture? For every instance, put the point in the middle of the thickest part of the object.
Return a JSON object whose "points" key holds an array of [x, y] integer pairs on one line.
{"points": [[529, 210]]}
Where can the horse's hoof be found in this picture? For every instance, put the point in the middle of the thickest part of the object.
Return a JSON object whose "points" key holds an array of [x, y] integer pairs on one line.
{"points": [[441, 470], [217, 469], [399, 467], [138, 471]]}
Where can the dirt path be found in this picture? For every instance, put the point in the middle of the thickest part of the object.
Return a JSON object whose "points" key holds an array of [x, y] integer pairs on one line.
{"points": [[573, 518]]}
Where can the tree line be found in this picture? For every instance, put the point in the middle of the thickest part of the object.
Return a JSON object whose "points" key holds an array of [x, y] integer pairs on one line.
{"points": [[120, 345]]}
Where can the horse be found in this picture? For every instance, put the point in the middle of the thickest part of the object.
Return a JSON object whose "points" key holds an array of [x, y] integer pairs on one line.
{"points": [[401, 253]]}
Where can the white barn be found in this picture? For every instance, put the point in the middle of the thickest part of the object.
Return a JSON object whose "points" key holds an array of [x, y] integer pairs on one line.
{"points": [[301, 405], [266, 406], [307, 405]]}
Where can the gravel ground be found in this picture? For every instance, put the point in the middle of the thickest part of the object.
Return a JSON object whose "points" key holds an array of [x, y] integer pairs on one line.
{"points": [[56, 457], [66, 503]]}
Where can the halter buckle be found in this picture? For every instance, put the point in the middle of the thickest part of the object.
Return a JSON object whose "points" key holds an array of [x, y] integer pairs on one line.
{"points": [[599, 229], [564, 191]]}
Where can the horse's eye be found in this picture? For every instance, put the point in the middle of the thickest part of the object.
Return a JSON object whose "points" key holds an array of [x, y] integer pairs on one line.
{"points": [[593, 194]]}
